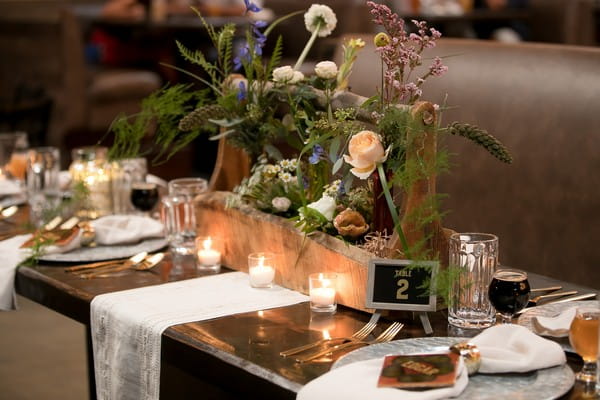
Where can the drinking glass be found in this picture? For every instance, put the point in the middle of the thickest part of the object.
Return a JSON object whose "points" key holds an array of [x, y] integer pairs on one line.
{"points": [[509, 292], [43, 192], [475, 256], [13, 155], [144, 196], [178, 214], [583, 335], [125, 173]]}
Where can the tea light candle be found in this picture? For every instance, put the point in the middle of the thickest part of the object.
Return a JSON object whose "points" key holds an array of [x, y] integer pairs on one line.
{"points": [[260, 269], [208, 258], [322, 292]]}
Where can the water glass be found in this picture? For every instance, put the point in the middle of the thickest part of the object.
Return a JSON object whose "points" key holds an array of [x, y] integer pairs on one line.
{"points": [[13, 154], [43, 192], [475, 256], [178, 213]]}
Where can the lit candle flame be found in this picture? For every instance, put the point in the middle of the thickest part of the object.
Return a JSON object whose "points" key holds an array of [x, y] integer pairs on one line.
{"points": [[261, 262], [207, 244], [326, 334]]}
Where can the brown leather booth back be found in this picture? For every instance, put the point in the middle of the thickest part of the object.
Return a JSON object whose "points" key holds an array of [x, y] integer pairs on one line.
{"points": [[543, 103]]}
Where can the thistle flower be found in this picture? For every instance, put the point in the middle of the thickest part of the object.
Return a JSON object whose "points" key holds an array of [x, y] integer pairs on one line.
{"points": [[320, 18]]}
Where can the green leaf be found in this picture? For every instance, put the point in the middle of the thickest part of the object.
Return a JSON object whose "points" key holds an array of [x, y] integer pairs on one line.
{"points": [[334, 146], [336, 167], [273, 152], [222, 134]]}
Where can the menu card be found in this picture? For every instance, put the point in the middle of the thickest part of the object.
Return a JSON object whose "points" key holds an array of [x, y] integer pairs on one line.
{"points": [[419, 371]]}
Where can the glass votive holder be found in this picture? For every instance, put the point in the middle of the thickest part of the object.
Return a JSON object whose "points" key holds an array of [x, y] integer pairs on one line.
{"points": [[322, 292], [208, 253], [261, 267]]}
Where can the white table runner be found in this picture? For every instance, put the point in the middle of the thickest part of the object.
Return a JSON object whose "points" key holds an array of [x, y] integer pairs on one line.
{"points": [[127, 326]]}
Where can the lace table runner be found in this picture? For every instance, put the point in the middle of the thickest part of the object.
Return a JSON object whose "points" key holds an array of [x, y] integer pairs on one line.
{"points": [[127, 326]]}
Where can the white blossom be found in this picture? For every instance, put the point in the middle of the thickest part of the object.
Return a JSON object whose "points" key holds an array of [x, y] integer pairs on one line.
{"points": [[321, 17], [326, 70], [298, 76], [281, 204], [283, 74], [325, 205]]}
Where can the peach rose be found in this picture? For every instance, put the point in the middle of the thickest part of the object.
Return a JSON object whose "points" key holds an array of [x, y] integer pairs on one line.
{"points": [[366, 151]]}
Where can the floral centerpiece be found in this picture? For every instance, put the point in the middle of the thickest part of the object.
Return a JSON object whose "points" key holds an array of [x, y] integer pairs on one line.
{"points": [[361, 169]]}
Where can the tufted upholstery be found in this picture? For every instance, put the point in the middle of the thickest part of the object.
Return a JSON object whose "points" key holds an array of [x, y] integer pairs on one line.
{"points": [[542, 102]]}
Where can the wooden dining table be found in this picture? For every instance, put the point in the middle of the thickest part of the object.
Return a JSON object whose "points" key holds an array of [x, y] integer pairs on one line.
{"points": [[236, 356]]}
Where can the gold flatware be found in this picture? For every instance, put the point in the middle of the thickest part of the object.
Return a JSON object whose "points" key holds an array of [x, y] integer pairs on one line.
{"points": [[135, 259], [384, 337], [361, 334], [53, 223], [535, 300], [584, 296], [546, 289], [146, 264]]}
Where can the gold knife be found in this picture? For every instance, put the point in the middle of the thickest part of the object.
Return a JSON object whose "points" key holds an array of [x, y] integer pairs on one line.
{"points": [[565, 300]]}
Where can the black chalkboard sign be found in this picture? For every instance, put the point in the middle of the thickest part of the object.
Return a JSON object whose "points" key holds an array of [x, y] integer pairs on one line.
{"points": [[398, 285]]}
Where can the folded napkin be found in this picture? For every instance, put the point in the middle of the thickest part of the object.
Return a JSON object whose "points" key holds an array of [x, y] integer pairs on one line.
{"points": [[9, 187], [110, 230], [514, 348], [122, 229], [359, 381], [557, 326]]}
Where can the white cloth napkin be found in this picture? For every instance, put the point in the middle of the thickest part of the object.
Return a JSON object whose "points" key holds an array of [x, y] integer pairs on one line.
{"points": [[514, 348], [122, 229], [110, 230], [359, 381], [127, 326], [557, 326], [8, 187]]}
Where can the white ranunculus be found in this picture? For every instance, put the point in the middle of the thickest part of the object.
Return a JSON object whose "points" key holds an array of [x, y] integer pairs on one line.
{"points": [[281, 204], [326, 70], [298, 76], [325, 205], [322, 17], [283, 74]]}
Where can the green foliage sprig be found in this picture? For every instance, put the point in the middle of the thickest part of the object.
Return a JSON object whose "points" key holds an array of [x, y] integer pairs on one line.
{"points": [[482, 138]]}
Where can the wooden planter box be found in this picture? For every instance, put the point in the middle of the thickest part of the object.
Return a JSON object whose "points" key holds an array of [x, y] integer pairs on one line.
{"points": [[246, 230]]}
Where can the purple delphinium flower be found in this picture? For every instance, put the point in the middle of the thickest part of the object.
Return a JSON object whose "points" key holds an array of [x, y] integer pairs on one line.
{"points": [[251, 7], [241, 95], [243, 55], [317, 155]]}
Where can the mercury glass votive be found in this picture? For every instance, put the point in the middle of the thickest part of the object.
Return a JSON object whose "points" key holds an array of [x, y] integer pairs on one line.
{"points": [[208, 253], [322, 292], [261, 267]]}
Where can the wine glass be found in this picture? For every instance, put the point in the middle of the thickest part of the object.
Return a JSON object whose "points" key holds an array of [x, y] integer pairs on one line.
{"points": [[144, 196], [583, 335], [509, 292]]}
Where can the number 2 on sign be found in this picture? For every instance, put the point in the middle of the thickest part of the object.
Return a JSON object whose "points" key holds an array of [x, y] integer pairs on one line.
{"points": [[400, 295]]}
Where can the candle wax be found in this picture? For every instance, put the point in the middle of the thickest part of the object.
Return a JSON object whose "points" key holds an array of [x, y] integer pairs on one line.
{"points": [[209, 257], [323, 296], [261, 275]]}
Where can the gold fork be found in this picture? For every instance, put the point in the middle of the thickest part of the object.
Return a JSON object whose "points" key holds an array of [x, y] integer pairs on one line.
{"points": [[361, 334], [385, 336]]}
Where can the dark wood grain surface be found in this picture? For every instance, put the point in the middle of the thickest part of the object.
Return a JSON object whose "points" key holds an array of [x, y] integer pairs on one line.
{"points": [[235, 356]]}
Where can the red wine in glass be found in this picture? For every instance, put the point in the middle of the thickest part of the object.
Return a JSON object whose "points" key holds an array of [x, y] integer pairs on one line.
{"points": [[509, 292], [144, 196]]}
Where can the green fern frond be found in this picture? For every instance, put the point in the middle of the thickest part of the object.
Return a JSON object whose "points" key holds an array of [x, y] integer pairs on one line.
{"points": [[225, 48], [198, 58], [482, 138], [275, 56]]}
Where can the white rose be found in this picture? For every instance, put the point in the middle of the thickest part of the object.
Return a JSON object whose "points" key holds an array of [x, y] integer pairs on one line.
{"points": [[326, 70], [281, 204], [325, 205], [298, 76], [320, 16], [366, 151], [283, 74]]}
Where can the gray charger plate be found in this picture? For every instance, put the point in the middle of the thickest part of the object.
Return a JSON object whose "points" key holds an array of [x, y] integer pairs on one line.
{"points": [[101, 253], [543, 384], [551, 310]]}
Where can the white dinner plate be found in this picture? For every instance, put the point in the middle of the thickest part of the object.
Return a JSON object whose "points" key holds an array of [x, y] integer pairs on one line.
{"points": [[543, 384], [101, 253]]}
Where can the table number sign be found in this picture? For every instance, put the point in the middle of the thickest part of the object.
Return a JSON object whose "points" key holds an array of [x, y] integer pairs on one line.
{"points": [[400, 285]]}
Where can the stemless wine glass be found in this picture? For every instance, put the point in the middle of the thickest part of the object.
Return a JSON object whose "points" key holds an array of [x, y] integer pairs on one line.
{"points": [[509, 292], [144, 196], [583, 335]]}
